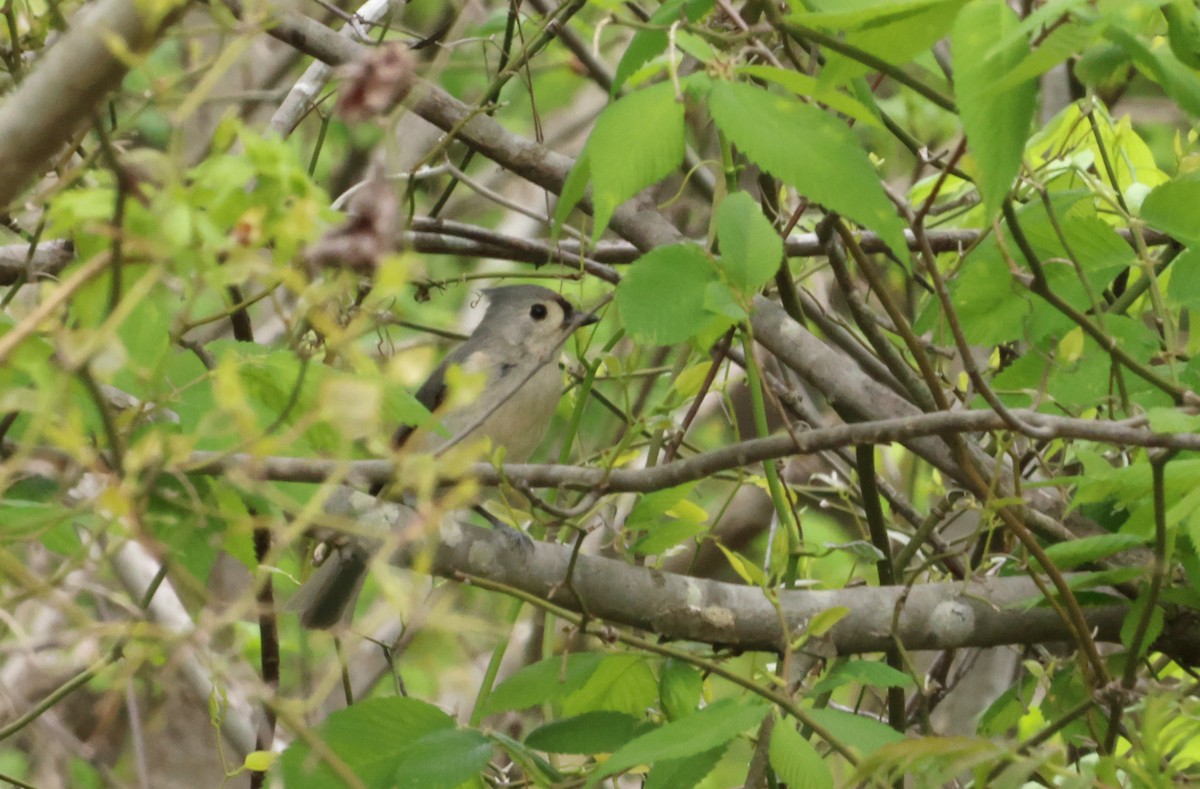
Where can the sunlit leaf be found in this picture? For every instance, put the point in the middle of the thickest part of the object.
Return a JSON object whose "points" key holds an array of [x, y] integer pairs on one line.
{"points": [[599, 731], [705, 730], [547, 680], [751, 250], [808, 149], [684, 271], [996, 121], [795, 760]]}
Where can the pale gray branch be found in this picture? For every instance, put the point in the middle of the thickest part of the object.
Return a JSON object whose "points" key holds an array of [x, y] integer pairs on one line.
{"points": [[908, 430], [136, 569], [979, 613], [300, 98], [47, 260], [442, 237]]}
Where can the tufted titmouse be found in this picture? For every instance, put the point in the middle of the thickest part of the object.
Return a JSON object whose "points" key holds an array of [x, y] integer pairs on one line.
{"points": [[515, 346]]}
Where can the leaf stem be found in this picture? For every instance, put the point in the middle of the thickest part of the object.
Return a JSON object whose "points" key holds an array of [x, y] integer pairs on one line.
{"points": [[782, 510]]}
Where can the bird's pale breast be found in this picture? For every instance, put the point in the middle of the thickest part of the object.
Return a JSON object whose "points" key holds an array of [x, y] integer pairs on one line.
{"points": [[519, 423]]}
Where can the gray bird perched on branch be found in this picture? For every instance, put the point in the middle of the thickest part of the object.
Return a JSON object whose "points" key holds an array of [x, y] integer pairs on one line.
{"points": [[515, 347]]}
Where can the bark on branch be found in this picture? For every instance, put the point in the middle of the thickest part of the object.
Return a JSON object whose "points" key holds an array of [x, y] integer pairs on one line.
{"points": [[979, 613], [68, 84], [907, 429]]}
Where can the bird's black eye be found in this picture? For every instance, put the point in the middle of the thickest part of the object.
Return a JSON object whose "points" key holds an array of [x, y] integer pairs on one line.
{"points": [[537, 312]]}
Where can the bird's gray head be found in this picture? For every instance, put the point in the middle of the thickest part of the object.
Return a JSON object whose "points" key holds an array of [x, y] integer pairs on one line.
{"points": [[530, 317]]}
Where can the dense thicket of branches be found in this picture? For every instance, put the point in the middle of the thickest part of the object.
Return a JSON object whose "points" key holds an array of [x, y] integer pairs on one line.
{"points": [[877, 464]]}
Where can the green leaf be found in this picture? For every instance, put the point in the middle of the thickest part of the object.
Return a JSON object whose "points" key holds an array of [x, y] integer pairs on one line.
{"points": [[859, 549], [636, 141], [1130, 487], [679, 688], [1066, 555], [270, 377], [721, 303], [146, 334], [808, 149], [688, 771], [191, 535], [1183, 31], [707, 729], [259, 761], [747, 570], [864, 734], [1071, 133], [696, 46], [600, 731], [751, 250], [666, 535], [1062, 42], [82, 214], [689, 381], [661, 299], [1174, 208], [993, 308], [930, 761], [648, 44], [1137, 612], [1162, 66], [277, 386], [443, 759], [192, 398], [795, 760], [370, 738], [1102, 64], [865, 15], [652, 507], [1119, 575], [996, 122], [804, 85], [1005, 712], [1044, 17], [823, 621], [1184, 285], [63, 537], [573, 190], [21, 521], [547, 680], [621, 683], [895, 37], [668, 519], [863, 672]]}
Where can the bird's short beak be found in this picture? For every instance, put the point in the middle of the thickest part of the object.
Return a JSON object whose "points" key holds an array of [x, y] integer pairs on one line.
{"points": [[586, 319]]}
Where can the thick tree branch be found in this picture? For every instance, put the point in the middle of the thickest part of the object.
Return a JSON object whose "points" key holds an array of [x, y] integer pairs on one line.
{"points": [[137, 569], [981, 612], [63, 91], [47, 260]]}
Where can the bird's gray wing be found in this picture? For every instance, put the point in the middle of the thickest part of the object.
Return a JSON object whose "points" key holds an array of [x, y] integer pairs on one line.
{"points": [[431, 395]]}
